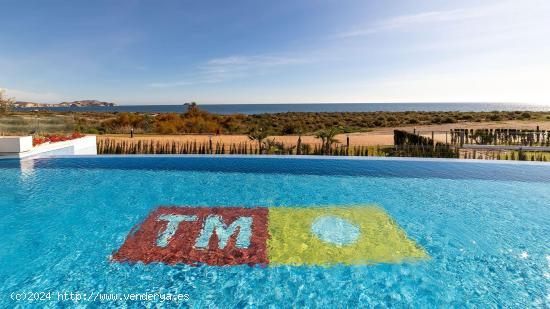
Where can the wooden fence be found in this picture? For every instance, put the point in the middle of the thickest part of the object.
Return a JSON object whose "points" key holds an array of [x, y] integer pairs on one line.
{"points": [[509, 137], [115, 146]]}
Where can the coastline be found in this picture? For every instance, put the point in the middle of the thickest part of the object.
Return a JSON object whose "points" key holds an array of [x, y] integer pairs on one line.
{"points": [[254, 108]]}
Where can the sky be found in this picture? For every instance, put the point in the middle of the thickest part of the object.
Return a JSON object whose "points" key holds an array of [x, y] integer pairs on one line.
{"points": [[284, 51]]}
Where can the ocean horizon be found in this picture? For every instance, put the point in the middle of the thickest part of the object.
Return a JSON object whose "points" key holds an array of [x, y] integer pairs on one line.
{"points": [[251, 109]]}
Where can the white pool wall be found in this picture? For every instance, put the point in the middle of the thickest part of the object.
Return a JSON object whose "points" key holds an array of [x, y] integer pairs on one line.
{"points": [[18, 147], [15, 144]]}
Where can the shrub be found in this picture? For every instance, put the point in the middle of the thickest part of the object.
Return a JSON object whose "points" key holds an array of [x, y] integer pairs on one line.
{"points": [[448, 120], [168, 123], [467, 117], [123, 122], [288, 129], [379, 122], [436, 120], [495, 117]]}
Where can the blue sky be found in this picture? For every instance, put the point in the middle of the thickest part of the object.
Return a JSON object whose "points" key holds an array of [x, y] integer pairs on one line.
{"points": [[171, 52]]}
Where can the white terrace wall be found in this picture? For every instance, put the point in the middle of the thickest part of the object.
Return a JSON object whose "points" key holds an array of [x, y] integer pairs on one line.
{"points": [[18, 147]]}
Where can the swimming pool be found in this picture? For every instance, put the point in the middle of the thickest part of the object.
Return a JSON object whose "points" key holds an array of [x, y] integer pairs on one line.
{"points": [[478, 232]]}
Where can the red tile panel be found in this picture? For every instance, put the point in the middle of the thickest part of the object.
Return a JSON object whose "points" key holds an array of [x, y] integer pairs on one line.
{"points": [[172, 235]]}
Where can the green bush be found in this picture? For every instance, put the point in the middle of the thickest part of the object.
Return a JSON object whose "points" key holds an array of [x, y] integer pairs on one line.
{"points": [[495, 117], [448, 120]]}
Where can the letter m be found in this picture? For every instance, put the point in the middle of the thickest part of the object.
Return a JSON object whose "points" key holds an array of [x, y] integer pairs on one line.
{"points": [[215, 223]]}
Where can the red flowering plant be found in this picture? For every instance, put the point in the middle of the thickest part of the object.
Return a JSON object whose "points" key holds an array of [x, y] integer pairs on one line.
{"points": [[53, 138]]}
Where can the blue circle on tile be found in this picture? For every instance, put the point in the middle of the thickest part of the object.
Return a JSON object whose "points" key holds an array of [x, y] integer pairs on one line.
{"points": [[335, 230]]}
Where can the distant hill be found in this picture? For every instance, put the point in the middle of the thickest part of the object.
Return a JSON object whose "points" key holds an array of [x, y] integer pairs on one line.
{"points": [[81, 103]]}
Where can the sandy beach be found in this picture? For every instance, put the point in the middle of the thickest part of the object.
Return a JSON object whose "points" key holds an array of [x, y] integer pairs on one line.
{"points": [[379, 136]]}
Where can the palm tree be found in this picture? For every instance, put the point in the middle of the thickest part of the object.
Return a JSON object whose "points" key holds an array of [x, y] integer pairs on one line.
{"points": [[299, 142], [327, 137], [322, 134], [273, 147], [259, 136]]}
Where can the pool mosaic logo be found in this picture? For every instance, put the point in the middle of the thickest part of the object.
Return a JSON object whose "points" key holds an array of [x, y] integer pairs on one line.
{"points": [[275, 236]]}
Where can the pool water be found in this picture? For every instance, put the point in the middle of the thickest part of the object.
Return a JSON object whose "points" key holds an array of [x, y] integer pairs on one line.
{"points": [[485, 228]]}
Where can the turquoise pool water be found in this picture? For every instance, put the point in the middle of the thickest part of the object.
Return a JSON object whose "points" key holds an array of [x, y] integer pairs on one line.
{"points": [[486, 227]]}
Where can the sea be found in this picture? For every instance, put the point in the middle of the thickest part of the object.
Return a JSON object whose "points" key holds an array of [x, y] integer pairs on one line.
{"points": [[250, 109]]}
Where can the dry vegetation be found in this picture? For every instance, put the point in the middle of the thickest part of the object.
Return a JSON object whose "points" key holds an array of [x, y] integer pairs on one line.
{"points": [[369, 133], [197, 121]]}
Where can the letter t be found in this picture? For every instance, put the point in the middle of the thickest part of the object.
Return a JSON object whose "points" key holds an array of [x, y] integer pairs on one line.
{"points": [[174, 221]]}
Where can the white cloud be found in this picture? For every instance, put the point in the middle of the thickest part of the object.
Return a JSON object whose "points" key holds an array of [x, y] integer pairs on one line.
{"points": [[502, 12], [232, 67], [254, 61], [41, 97], [170, 84], [415, 19], [225, 68], [493, 53]]}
